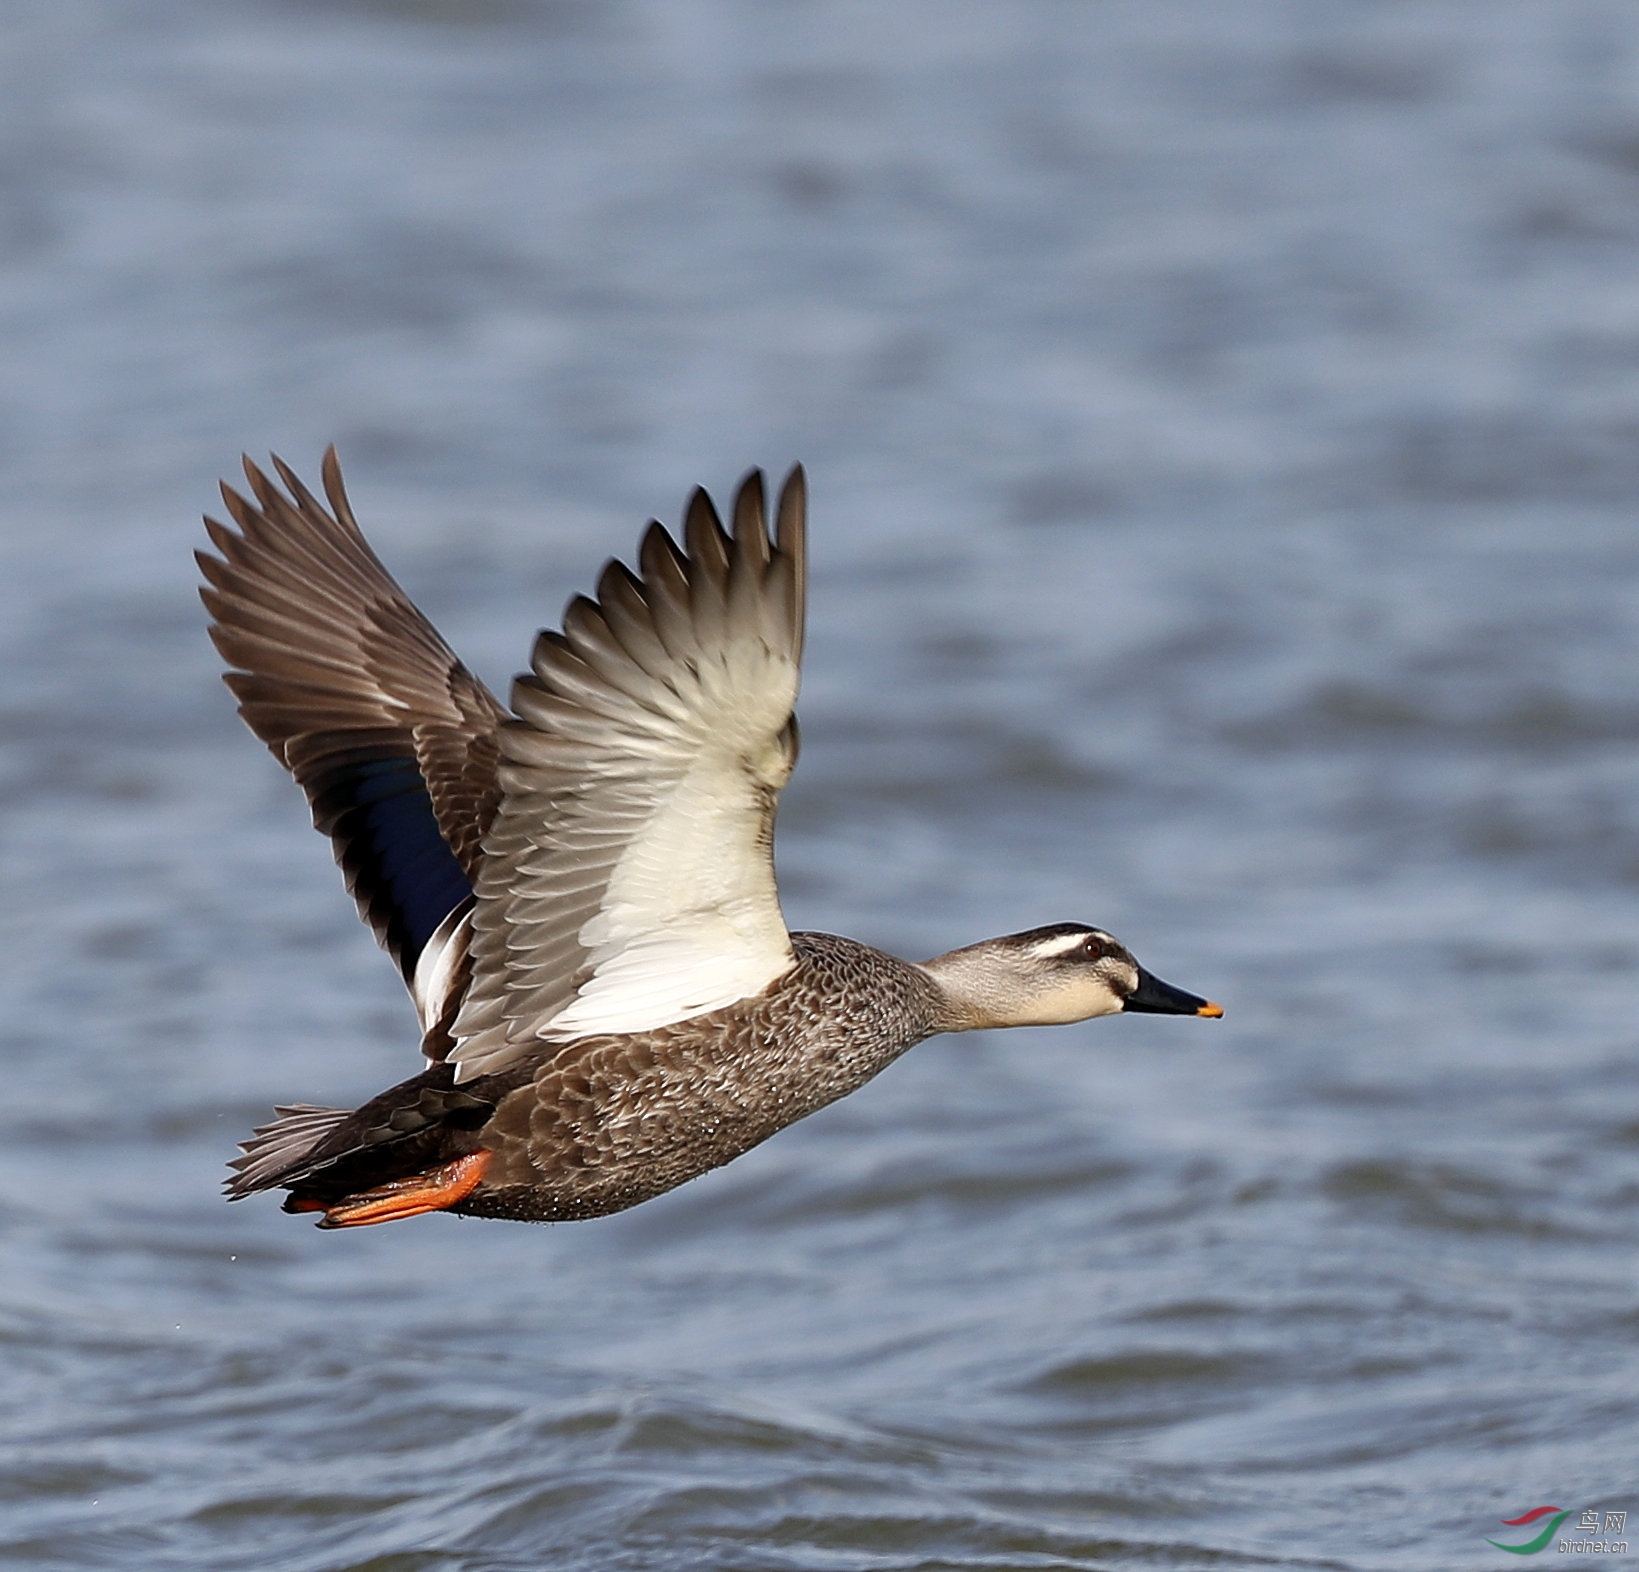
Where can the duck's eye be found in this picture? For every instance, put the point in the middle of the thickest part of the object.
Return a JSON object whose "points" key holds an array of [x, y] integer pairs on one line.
{"points": [[1094, 949]]}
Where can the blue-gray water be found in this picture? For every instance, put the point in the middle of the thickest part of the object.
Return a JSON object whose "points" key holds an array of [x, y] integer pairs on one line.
{"points": [[1223, 425]]}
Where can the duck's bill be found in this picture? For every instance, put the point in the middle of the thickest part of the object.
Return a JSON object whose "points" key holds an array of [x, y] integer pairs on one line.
{"points": [[1154, 997]]}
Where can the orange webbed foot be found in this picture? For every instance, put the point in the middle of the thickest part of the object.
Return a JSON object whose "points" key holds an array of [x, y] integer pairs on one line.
{"points": [[432, 1191]]}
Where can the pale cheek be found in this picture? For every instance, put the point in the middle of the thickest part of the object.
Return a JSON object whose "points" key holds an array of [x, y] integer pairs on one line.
{"points": [[1100, 998], [1077, 1004]]}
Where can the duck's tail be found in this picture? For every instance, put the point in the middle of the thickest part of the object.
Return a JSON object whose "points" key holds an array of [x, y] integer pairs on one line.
{"points": [[279, 1152]]}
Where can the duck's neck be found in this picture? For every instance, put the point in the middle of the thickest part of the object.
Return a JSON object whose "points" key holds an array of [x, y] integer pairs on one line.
{"points": [[967, 998]]}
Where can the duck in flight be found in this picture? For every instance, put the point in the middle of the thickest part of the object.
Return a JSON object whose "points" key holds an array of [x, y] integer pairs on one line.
{"points": [[580, 893]]}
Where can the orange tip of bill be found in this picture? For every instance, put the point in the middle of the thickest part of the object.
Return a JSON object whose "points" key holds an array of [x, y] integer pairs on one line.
{"points": [[1210, 1009]]}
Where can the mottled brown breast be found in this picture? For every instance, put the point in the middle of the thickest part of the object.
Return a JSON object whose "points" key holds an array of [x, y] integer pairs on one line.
{"points": [[611, 1121]]}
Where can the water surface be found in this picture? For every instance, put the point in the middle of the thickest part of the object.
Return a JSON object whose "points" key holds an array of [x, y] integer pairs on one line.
{"points": [[1221, 426]]}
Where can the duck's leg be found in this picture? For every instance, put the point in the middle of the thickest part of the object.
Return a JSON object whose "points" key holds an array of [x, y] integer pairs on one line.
{"points": [[431, 1191]]}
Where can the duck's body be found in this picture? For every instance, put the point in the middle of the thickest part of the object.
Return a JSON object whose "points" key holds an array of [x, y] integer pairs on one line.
{"points": [[581, 897], [611, 1120]]}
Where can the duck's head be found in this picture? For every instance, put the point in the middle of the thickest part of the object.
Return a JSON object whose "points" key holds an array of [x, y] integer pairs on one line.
{"points": [[1050, 977]]}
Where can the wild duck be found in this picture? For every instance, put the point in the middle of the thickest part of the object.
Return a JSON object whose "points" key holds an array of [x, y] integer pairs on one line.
{"points": [[580, 893]]}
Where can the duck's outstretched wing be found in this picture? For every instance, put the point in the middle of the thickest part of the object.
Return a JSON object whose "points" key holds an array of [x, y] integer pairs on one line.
{"points": [[352, 689], [628, 878]]}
